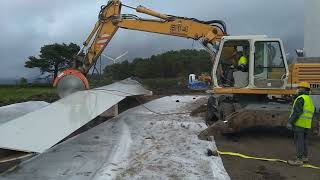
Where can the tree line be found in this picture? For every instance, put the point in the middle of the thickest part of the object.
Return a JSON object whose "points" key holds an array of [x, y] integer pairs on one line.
{"points": [[171, 64]]}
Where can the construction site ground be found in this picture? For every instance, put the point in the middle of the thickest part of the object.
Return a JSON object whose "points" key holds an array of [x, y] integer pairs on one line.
{"points": [[268, 143], [272, 143]]}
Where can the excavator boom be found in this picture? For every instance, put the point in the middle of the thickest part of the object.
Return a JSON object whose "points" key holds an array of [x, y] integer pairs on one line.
{"points": [[110, 20]]}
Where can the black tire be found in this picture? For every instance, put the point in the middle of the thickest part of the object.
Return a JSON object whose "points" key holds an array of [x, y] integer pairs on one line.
{"points": [[211, 116], [225, 110]]}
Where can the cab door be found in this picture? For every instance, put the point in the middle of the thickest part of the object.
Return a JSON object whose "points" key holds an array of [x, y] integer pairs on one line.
{"points": [[270, 66]]}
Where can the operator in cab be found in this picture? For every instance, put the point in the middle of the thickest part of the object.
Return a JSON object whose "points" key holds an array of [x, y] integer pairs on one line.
{"points": [[300, 122], [241, 64]]}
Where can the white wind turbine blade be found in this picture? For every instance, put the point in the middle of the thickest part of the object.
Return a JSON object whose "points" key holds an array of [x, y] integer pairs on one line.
{"points": [[121, 56], [112, 59]]}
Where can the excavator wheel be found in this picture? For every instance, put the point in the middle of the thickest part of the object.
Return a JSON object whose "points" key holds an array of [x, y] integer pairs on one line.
{"points": [[70, 81], [219, 109], [225, 110], [211, 114]]}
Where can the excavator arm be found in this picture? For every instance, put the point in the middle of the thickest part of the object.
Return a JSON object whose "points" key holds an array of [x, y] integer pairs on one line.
{"points": [[110, 20]]}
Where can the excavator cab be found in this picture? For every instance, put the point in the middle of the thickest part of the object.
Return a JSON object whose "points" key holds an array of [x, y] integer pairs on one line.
{"points": [[259, 96], [252, 96], [263, 59]]}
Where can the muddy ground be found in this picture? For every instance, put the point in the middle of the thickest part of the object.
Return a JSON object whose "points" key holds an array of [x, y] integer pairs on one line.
{"points": [[270, 143]]}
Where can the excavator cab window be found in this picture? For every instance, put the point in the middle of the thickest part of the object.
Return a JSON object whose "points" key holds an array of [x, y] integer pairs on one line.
{"points": [[269, 65], [234, 64]]}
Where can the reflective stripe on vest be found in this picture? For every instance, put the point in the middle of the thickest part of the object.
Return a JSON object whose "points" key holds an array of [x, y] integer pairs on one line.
{"points": [[242, 61], [305, 119]]}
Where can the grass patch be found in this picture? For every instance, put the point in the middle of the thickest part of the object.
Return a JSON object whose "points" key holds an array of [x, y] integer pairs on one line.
{"points": [[98, 82], [164, 83], [13, 94]]}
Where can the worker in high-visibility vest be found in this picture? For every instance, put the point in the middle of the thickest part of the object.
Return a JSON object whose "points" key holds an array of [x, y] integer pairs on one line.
{"points": [[300, 121], [242, 62]]}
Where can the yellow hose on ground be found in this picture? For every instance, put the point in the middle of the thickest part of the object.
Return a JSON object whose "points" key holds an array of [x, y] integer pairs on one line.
{"points": [[263, 159]]}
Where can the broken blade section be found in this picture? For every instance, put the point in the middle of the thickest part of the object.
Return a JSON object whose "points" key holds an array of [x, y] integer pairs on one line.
{"points": [[40, 130]]}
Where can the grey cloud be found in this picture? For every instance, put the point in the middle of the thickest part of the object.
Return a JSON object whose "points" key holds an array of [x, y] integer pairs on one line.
{"points": [[27, 25]]}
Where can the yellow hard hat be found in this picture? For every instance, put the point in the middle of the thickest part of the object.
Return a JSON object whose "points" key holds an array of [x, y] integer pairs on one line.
{"points": [[304, 85]]}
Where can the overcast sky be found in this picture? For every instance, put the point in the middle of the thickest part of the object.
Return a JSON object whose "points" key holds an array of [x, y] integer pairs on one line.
{"points": [[26, 25]]}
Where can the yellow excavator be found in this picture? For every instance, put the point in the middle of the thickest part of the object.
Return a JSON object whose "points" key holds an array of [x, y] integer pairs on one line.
{"points": [[257, 95]]}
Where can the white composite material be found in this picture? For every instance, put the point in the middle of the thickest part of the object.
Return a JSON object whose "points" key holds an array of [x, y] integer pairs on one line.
{"points": [[137, 144], [40, 130], [14, 111]]}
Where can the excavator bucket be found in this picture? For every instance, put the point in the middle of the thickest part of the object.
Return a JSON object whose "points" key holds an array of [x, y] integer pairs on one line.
{"points": [[70, 81]]}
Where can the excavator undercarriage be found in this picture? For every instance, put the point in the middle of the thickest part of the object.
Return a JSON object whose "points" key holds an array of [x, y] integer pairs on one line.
{"points": [[233, 114]]}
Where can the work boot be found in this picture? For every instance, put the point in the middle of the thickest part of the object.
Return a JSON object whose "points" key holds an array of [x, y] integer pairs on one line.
{"points": [[296, 162], [305, 159]]}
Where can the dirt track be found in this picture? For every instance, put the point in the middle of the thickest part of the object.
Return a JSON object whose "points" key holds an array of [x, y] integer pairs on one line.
{"points": [[272, 143]]}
